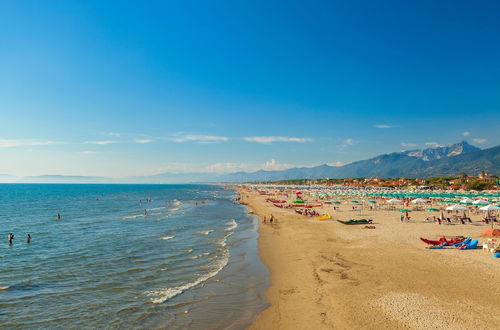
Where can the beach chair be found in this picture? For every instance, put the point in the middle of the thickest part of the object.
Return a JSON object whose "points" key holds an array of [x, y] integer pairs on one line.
{"points": [[465, 241], [471, 246]]}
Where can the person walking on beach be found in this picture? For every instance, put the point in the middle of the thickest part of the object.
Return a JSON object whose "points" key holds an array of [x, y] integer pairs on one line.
{"points": [[10, 238], [264, 220], [271, 219], [28, 238]]}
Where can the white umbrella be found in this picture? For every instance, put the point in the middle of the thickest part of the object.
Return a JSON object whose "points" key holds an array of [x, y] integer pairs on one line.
{"points": [[456, 207], [480, 201], [466, 200], [419, 200], [490, 208], [394, 201]]}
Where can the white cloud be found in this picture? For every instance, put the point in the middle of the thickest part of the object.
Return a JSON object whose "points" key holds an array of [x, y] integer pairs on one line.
{"points": [[466, 133], [106, 142], [273, 165], [409, 145], [349, 142], [433, 144], [336, 164], [101, 142], [383, 126], [272, 139], [228, 167], [200, 138], [479, 140], [10, 143]]}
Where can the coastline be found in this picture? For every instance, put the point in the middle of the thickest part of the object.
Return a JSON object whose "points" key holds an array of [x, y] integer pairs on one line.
{"points": [[326, 275]]}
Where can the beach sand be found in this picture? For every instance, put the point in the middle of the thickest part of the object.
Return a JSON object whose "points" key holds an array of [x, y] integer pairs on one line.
{"points": [[328, 275]]}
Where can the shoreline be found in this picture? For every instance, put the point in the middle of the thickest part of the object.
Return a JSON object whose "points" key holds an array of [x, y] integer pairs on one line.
{"points": [[327, 275]]}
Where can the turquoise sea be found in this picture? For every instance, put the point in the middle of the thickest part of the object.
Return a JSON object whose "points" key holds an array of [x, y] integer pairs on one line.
{"points": [[190, 262]]}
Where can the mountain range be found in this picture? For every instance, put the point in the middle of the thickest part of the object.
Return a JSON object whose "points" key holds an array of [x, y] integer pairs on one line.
{"points": [[439, 161], [436, 161]]}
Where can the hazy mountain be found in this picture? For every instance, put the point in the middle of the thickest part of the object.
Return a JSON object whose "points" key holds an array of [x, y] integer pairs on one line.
{"points": [[64, 179], [441, 152], [439, 161]]}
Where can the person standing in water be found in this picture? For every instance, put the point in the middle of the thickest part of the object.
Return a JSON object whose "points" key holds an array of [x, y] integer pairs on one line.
{"points": [[58, 216], [28, 238], [145, 212], [10, 238]]}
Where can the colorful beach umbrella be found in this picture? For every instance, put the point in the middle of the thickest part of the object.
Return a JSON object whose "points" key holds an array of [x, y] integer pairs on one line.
{"points": [[432, 209], [404, 210]]}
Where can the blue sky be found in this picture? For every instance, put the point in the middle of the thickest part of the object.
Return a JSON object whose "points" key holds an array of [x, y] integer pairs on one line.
{"points": [[122, 88]]}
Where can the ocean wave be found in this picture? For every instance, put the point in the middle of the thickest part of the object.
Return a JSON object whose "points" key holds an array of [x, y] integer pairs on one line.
{"points": [[3, 288], [166, 237], [231, 225], [205, 232], [157, 208], [200, 255], [132, 216], [161, 295]]}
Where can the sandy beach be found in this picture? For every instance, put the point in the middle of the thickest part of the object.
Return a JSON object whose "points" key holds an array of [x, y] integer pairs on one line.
{"points": [[328, 275]]}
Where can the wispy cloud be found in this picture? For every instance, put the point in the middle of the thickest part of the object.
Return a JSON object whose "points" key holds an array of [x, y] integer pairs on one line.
{"points": [[336, 164], [272, 139], [11, 143], [349, 142], [199, 138], [479, 140], [383, 126], [106, 142], [466, 133], [409, 145], [433, 144]]}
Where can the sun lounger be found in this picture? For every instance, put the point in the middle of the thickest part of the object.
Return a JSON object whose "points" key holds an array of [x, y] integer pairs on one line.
{"points": [[471, 246]]}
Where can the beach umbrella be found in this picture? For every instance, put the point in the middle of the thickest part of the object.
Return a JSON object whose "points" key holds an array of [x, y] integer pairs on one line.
{"points": [[354, 201], [491, 232], [432, 209], [490, 207], [418, 201], [404, 210], [335, 202], [394, 201], [372, 202], [466, 200], [456, 207], [480, 201]]}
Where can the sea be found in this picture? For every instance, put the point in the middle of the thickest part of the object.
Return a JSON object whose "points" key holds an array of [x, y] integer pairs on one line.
{"points": [[128, 256]]}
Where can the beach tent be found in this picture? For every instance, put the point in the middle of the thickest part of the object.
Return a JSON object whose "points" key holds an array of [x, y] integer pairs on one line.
{"points": [[491, 232], [490, 208], [456, 207]]}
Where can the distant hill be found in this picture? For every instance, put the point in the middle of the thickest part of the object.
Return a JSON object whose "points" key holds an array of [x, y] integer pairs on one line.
{"points": [[440, 161]]}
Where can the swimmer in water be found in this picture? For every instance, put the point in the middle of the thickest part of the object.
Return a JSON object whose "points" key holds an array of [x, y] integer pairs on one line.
{"points": [[58, 216], [10, 237], [28, 238], [145, 212]]}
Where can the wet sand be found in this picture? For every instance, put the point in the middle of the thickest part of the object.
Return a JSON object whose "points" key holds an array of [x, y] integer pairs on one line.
{"points": [[328, 275]]}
